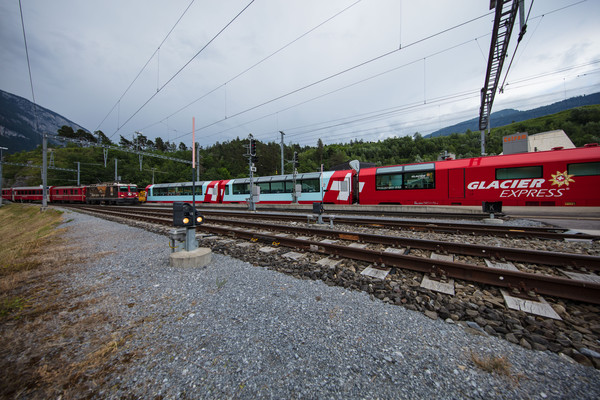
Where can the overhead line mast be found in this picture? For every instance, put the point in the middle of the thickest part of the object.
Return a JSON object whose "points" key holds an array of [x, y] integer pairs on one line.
{"points": [[506, 13]]}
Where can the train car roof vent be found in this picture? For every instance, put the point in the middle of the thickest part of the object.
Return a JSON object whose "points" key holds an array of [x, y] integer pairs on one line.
{"points": [[591, 145], [558, 148]]}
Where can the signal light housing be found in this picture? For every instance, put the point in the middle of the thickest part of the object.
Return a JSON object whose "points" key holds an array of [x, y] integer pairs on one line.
{"points": [[183, 214], [199, 218]]}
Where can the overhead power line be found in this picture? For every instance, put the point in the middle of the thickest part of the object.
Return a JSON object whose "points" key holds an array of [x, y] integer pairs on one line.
{"points": [[254, 65], [338, 74], [145, 65], [183, 67]]}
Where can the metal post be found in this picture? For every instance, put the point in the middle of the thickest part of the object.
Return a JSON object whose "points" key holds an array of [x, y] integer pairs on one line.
{"points": [[190, 234], [282, 166], [115, 170], [251, 205], [294, 191], [1, 177], [44, 171], [78, 171], [198, 166]]}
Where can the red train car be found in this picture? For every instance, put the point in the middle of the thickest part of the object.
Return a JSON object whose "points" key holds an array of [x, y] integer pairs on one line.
{"points": [[27, 194], [7, 194], [565, 177], [67, 194]]}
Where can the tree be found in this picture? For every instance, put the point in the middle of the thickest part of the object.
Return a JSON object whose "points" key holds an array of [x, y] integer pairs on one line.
{"points": [[182, 146], [85, 135], [319, 152], [160, 145], [124, 142], [66, 131], [102, 138]]}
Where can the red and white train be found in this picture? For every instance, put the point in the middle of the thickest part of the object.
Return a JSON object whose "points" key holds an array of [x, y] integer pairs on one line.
{"points": [[560, 177]]}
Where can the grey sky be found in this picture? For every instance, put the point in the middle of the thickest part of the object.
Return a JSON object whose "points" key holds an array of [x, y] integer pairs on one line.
{"points": [[85, 54]]}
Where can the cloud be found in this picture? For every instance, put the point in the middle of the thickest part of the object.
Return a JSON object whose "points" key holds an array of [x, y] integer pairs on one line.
{"points": [[278, 65]]}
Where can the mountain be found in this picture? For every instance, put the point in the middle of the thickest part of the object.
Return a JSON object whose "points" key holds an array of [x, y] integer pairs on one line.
{"points": [[508, 116], [17, 123]]}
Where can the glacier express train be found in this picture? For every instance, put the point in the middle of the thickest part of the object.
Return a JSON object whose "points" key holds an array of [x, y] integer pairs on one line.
{"points": [[559, 177]]}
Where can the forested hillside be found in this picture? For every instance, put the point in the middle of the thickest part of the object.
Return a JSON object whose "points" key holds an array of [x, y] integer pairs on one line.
{"points": [[226, 160]]}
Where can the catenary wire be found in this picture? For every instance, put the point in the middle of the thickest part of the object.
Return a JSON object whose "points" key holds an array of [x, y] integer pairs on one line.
{"points": [[183, 67], [145, 65], [336, 74], [254, 65]]}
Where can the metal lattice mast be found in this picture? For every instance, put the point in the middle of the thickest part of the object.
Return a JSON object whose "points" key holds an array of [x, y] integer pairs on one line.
{"points": [[506, 12]]}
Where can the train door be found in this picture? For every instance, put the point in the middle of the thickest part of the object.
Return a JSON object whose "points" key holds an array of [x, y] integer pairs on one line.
{"points": [[456, 184]]}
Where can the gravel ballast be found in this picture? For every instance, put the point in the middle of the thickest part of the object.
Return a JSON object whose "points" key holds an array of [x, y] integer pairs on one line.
{"points": [[234, 330]]}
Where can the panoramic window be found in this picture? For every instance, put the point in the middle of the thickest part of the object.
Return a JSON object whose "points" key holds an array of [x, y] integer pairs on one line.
{"points": [[241, 188], [265, 187], [277, 187], [388, 182], [534, 171], [419, 180], [584, 169], [310, 185]]}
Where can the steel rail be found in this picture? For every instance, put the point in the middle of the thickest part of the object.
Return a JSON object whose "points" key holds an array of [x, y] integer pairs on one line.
{"points": [[508, 253], [418, 226], [524, 282], [475, 250], [423, 226]]}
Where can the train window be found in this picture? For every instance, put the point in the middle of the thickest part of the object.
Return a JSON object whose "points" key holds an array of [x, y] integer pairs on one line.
{"points": [[389, 182], [289, 186], [241, 188], [226, 190], [419, 180], [534, 171], [584, 169], [123, 189], [277, 187], [310, 185], [265, 187]]}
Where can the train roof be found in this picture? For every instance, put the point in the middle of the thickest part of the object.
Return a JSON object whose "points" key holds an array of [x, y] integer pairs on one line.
{"points": [[27, 187], [177, 184], [279, 178], [259, 179], [589, 153]]}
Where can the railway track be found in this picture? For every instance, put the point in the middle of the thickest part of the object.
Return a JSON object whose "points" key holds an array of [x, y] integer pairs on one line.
{"points": [[392, 223], [551, 282]]}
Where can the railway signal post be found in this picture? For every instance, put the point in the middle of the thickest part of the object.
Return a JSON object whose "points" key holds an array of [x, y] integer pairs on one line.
{"points": [[184, 246]]}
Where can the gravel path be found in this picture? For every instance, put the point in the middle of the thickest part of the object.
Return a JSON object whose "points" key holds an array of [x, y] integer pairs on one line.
{"points": [[233, 330]]}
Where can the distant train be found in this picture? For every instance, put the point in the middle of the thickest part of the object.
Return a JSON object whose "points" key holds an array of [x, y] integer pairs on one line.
{"points": [[560, 177], [107, 193]]}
